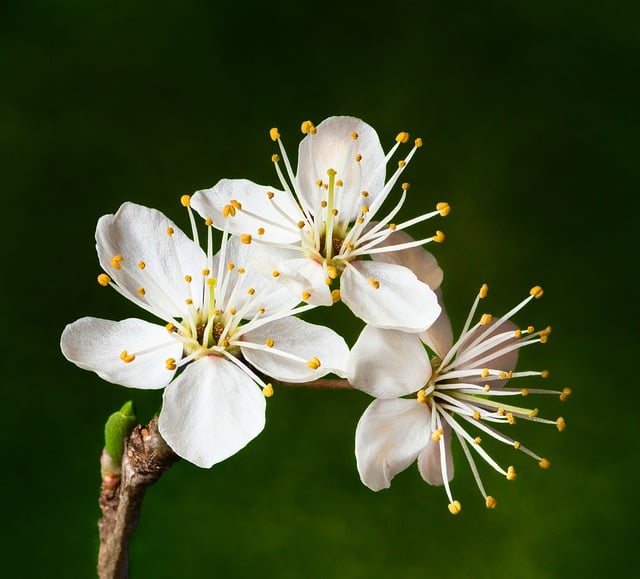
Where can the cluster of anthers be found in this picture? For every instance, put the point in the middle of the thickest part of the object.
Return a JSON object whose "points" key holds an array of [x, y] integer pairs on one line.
{"points": [[467, 387]]}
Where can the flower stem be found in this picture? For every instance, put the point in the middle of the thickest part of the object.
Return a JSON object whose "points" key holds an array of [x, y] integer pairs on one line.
{"points": [[146, 457], [322, 384]]}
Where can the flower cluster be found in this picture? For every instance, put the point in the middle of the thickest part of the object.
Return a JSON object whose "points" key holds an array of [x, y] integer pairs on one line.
{"points": [[227, 322]]}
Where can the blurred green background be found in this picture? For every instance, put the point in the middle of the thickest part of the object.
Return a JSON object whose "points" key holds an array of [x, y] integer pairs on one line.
{"points": [[529, 114]]}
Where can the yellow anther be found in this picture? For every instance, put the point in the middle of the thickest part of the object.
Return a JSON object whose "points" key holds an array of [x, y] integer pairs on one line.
{"points": [[306, 295], [141, 265], [270, 343], [188, 301], [544, 463], [246, 238], [185, 200], [251, 291], [115, 261], [314, 363], [260, 230], [405, 186], [231, 266], [323, 204], [188, 278], [518, 333], [319, 182], [261, 310], [486, 388], [374, 282], [544, 338], [436, 435], [205, 272], [274, 134], [104, 279], [275, 273], [516, 444], [485, 319], [228, 210], [530, 329], [141, 291], [392, 226], [402, 163], [170, 327], [484, 290], [235, 203], [308, 128], [300, 224], [477, 440], [275, 158], [332, 272], [418, 142], [360, 220], [334, 212], [536, 292], [506, 375], [566, 392], [510, 418], [455, 507], [328, 280], [444, 208], [402, 137], [364, 210], [170, 364], [485, 373], [500, 411], [511, 473], [268, 390], [224, 343], [233, 311], [354, 136], [544, 374], [422, 396], [524, 392], [490, 502], [335, 296], [358, 157], [126, 357], [560, 424], [241, 270], [546, 331], [533, 413], [208, 222], [339, 183], [170, 231], [476, 415], [365, 193], [438, 237]]}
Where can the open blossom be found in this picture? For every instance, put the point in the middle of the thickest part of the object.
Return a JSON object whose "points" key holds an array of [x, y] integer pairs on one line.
{"points": [[318, 231], [460, 385], [223, 327]]}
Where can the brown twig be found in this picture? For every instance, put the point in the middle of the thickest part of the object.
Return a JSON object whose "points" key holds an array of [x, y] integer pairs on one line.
{"points": [[146, 457]]}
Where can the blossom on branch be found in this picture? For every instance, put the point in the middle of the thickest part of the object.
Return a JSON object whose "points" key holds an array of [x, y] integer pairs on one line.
{"points": [[452, 386], [224, 327], [318, 230]]}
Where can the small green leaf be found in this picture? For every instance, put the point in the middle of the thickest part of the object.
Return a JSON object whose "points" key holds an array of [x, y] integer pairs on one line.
{"points": [[116, 430]]}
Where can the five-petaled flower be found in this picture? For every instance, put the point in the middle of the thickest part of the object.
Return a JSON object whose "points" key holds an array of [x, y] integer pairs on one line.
{"points": [[319, 228], [224, 326], [461, 385]]}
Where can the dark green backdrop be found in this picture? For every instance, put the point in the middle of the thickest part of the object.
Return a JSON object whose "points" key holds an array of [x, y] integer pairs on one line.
{"points": [[528, 111]]}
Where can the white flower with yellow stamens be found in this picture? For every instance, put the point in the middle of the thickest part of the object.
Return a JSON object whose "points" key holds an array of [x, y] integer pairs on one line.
{"points": [[224, 327], [457, 386], [319, 227]]}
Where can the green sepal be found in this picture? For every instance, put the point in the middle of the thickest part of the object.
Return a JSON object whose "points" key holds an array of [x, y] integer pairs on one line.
{"points": [[117, 429]]}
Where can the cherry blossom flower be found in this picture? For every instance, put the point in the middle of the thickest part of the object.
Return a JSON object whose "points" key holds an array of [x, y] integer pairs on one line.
{"points": [[223, 327], [454, 386], [318, 230]]}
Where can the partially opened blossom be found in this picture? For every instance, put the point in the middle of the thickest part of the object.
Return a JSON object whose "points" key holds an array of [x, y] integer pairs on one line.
{"points": [[318, 230], [222, 327], [424, 399]]}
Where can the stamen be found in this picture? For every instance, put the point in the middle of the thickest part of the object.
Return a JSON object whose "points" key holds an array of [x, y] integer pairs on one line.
{"points": [[104, 280], [490, 502], [314, 363], [455, 507], [268, 390]]}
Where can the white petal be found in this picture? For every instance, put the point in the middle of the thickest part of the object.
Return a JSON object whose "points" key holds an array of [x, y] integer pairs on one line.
{"points": [[417, 259], [388, 363], [95, 344], [211, 411], [439, 336], [389, 436], [139, 234], [401, 302], [333, 147], [209, 203], [429, 459], [301, 275], [305, 340]]}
